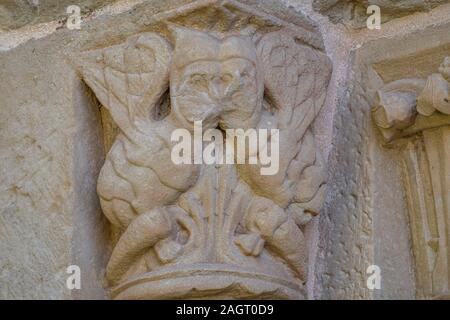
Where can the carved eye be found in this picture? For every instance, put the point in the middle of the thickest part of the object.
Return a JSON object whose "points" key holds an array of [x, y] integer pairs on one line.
{"points": [[199, 80]]}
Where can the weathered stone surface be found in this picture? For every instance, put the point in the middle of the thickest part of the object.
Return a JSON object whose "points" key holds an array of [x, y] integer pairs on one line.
{"points": [[233, 231], [18, 13], [354, 12], [424, 143]]}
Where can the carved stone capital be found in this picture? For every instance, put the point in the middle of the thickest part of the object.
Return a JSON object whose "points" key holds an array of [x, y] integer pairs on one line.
{"points": [[199, 230]]}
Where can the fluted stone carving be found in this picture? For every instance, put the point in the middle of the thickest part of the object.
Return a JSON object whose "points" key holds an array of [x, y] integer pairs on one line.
{"points": [[414, 115], [198, 230]]}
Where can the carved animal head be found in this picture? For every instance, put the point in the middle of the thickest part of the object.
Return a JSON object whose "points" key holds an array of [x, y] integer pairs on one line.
{"points": [[216, 81]]}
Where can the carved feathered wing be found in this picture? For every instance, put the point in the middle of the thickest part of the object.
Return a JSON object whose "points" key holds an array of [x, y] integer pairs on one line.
{"points": [[129, 78], [295, 78]]}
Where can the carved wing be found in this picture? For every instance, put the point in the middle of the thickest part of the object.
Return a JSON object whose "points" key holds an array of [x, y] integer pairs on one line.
{"points": [[129, 78], [295, 78]]}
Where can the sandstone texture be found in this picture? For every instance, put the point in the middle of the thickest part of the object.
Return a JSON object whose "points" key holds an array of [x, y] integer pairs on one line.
{"points": [[228, 229], [87, 177], [15, 14]]}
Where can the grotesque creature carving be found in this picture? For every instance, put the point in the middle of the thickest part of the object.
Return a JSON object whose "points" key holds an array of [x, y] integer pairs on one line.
{"points": [[213, 219], [413, 115]]}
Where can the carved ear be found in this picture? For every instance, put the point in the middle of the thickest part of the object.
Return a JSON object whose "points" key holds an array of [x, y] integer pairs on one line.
{"points": [[130, 78], [295, 77]]}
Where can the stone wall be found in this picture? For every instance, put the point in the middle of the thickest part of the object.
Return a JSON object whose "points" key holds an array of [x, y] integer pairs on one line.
{"points": [[55, 135]]}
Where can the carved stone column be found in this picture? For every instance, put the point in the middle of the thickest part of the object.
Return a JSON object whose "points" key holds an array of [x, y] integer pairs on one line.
{"points": [[414, 116], [198, 230]]}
